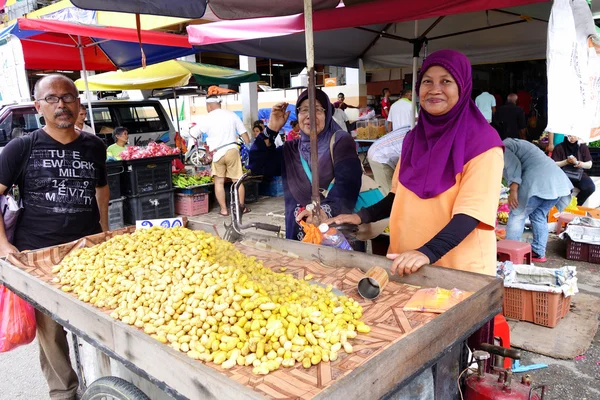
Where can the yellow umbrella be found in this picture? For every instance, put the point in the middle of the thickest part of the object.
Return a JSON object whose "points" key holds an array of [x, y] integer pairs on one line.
{"points": [[173, 73]]}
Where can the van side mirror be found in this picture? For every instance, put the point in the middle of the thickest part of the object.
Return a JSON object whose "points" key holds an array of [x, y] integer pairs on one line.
{"points": [[2, 134], [42, 121]]}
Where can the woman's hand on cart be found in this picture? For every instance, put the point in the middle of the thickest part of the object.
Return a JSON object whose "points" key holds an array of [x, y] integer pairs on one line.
{"points": [[350, 219], [7, 248], [408, 262]]}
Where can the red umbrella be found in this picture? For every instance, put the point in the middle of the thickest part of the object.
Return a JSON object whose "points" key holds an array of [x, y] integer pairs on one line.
{"points": [[49, 44]]}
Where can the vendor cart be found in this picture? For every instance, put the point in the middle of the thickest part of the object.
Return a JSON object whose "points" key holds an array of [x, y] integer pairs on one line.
{"points": [[400, 346]]}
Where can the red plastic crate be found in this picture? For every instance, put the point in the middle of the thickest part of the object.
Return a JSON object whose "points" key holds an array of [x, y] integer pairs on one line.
{"points": [[594, 254], [191, 204], [577, 251], [583, 252], [541, 308]]}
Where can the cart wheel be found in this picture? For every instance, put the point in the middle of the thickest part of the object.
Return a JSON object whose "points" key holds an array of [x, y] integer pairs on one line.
{"points": [[196, 157], [113, 388]]}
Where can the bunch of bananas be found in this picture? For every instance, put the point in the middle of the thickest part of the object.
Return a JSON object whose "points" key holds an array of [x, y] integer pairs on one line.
{"points": [[502, 217]]}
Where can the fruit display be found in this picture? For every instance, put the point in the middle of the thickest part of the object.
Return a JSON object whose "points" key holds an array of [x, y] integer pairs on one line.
{"points": [[502, 213], [184, 180], [200, 295], [152, 150], [503, 217]]}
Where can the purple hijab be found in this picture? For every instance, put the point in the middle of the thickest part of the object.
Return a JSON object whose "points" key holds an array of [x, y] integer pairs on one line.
{"points": [[438, 148]]}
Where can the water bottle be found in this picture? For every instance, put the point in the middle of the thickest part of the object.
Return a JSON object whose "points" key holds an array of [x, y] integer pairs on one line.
{"points": [[333, 238]]}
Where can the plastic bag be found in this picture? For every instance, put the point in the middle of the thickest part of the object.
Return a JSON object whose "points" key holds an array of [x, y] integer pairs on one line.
{"points": [[17, 321], [435, 300]]}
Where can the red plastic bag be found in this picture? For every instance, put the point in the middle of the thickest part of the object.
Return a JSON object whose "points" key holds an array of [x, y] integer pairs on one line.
{"points": [[17, 321]]}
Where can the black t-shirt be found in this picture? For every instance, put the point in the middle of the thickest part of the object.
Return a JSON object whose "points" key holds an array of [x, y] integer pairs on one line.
{"points": [[59, 188], [509, 120]]}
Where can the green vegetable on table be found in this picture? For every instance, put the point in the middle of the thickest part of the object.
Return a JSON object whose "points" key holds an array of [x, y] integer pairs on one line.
{"points": [[185, 181], [594, 144]]}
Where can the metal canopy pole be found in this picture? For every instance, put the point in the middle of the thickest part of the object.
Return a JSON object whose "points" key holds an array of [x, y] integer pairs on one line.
{"points": [[314, 153], [87, 88], [416, 51], [176, 110]]}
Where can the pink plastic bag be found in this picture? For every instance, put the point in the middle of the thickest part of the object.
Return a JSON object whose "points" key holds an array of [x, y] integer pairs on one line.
{"points": [[17, 321]]}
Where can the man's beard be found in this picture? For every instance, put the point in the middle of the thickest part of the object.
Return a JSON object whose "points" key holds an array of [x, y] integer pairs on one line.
{"points": [[64, 125]]}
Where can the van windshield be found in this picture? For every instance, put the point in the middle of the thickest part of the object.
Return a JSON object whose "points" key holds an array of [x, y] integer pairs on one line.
{"points": [[142, 119]]}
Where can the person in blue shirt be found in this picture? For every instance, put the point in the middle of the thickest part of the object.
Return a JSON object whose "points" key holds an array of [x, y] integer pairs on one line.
{"points": [[292, 160], [536, 185]]}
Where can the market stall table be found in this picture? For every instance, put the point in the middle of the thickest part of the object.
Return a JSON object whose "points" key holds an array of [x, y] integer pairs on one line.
{"points": [[399, 347], [363, 146]]}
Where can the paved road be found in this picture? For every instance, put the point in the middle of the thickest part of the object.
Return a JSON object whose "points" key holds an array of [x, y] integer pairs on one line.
{"points": [[21, 374], [21, 377]]}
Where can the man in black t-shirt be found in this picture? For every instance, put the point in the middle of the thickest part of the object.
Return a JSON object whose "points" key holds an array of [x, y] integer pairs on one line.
{"points": [[509, 119], [65, 196]]}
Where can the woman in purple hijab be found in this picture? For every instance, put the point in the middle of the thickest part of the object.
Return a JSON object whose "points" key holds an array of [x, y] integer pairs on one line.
{"points": [[292, 160], [445, 192]]}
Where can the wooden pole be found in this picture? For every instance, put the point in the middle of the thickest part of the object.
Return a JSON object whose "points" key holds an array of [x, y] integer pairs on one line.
{"points": [[310, 66], [413, 108]]}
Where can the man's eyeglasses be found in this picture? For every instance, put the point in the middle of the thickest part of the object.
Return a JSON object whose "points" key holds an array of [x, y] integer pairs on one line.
{"points": [[67, 98], [304, 110]]}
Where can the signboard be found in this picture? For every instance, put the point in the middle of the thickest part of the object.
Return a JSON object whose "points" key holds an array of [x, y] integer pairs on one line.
{"points": [[164, 222], [330, 82], [14, 87]]}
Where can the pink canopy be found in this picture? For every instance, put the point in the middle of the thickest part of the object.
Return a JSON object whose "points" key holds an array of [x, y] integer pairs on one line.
{"points": [[368, 13]]}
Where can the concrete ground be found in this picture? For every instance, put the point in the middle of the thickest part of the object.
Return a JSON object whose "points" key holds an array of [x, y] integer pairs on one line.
{"points": [[566, 379]]}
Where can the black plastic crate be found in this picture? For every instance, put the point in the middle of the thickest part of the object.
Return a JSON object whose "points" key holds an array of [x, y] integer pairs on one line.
{"points": [[114, 172], [595, 170], [147, 175], [150, 206]]}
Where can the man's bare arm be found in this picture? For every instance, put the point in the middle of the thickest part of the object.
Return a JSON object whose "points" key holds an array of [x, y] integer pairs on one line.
{"points": [[102, 198]]}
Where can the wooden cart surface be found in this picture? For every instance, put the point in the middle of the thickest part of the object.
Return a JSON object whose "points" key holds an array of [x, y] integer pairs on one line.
{"points": [[400, 345]]}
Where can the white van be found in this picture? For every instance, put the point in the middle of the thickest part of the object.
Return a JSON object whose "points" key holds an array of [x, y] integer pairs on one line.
{"points": [[146, 121]]}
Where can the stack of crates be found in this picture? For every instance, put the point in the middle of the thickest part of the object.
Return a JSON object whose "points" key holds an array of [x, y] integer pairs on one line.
{"points": [[114, 172], [148, 188]]}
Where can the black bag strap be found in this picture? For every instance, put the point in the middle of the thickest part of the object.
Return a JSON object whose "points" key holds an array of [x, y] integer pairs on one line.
{"points": [[25, 154]]}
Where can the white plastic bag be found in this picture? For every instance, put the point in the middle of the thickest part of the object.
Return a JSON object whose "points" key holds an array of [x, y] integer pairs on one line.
{"points": [[573, 55], [11, 209]]}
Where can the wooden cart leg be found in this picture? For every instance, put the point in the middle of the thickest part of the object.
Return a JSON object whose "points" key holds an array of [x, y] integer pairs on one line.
{"points": [[445, 374], [421, 387]]}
